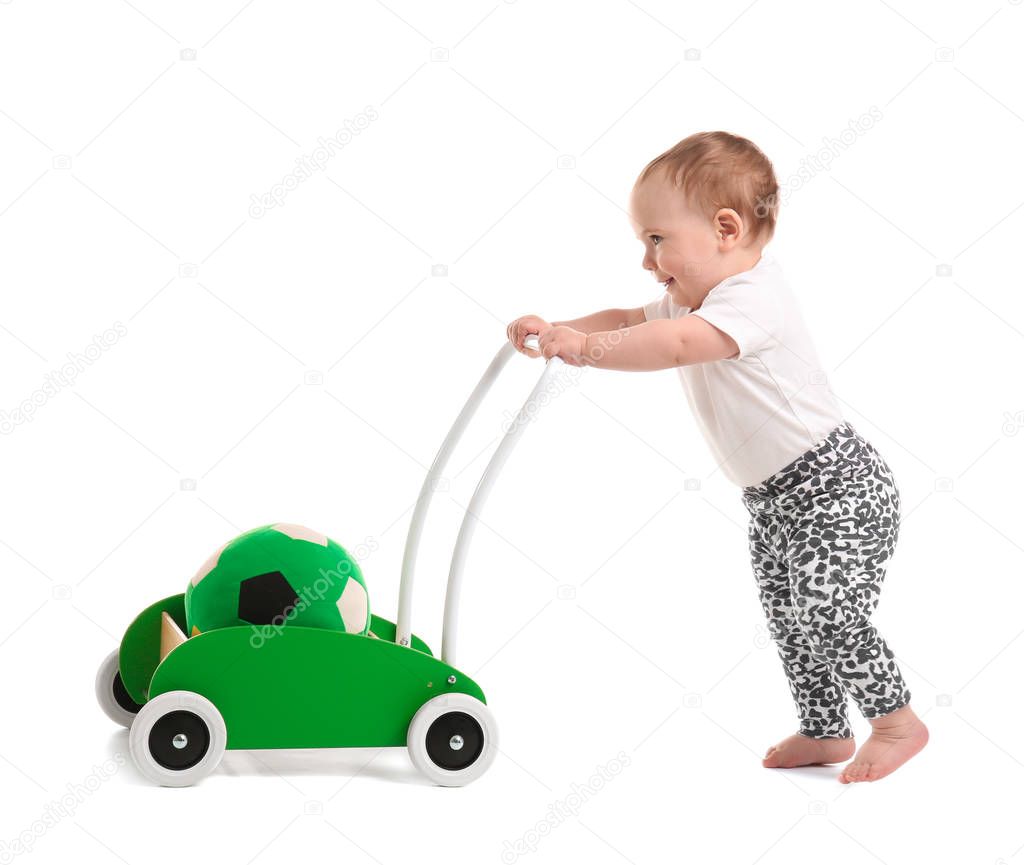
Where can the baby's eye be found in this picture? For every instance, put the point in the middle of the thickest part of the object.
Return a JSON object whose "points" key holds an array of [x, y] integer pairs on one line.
{"points": [[655, 238]]}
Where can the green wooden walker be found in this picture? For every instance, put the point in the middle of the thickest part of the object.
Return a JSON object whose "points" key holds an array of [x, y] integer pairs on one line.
{"points": [[251, 660]]}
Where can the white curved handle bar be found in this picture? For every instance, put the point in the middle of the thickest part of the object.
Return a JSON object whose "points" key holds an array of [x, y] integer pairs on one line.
{"points": [[451, 605]]}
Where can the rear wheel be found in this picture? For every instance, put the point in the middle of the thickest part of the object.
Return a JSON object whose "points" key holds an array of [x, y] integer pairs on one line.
{"points": [[178, 738], [111, 693], [453, 739]]}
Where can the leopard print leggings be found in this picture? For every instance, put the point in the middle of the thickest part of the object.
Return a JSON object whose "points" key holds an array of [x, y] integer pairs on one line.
{"points": [[822, 531]]}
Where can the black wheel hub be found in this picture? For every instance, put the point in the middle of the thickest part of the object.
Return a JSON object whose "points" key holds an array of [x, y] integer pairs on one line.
{"points": [[122, 697], [179, 740], [455, 740]]}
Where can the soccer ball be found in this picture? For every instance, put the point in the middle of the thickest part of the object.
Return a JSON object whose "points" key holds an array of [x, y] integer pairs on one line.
{"points": [[278, 575]]}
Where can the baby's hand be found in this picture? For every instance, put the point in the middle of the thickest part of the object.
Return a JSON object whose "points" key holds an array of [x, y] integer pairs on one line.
{"points": [[521, 328], [564, 342]]}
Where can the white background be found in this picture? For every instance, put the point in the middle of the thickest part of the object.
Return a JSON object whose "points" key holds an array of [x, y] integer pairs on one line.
{"points": [[126, 183]]}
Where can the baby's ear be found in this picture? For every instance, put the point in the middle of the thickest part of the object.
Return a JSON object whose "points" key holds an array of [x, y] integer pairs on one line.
{"points": [[728, 225]]}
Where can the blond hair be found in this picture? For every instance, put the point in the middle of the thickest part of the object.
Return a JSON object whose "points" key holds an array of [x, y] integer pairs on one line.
{"points": [[717, 169]]}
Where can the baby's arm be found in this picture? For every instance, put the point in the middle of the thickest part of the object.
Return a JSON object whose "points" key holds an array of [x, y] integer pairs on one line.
{"points": [[660, 344], [605, 320]]}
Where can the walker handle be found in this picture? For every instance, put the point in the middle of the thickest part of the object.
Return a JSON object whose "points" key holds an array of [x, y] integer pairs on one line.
{"points": [[403, 629], [476, 503]]}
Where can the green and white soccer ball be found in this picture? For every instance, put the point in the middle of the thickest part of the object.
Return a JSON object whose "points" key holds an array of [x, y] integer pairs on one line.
{"points": [[278, 575]]}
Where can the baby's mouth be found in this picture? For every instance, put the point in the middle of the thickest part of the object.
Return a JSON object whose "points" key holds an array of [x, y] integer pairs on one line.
{"points": [[668, 283]]}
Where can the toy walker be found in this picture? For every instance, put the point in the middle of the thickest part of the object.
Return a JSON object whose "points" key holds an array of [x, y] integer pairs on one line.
{"points": [[186, 694]]}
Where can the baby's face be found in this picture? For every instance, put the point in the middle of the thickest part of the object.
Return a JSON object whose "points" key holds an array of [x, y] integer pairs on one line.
{"points": [[680, 244]]}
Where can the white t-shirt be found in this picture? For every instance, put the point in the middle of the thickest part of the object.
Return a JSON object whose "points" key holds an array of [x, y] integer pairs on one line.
{"points": [[765, 407]]}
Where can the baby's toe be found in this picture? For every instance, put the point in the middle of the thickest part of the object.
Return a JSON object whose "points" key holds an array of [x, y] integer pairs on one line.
{"points": [[855, 772]]}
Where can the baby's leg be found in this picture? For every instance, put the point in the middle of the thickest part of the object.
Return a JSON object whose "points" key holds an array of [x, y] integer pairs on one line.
{"points": [[825, 735], [838, 552], [837, 561]]}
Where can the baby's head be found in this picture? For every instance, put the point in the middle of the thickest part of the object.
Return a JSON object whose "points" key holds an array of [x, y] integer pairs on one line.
{"points": [[704, 210]]}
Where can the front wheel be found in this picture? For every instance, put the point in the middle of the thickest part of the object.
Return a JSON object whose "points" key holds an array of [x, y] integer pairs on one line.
{"points": [[177, 738], [453, 739], [111, 693]]}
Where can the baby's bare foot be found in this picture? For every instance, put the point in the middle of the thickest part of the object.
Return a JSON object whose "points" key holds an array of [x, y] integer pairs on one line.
{"points": [[895, 738], [801, 750]]}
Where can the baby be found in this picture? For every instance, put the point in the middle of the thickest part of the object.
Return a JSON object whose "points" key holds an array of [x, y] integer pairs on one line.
{"points": [[824, 507]]}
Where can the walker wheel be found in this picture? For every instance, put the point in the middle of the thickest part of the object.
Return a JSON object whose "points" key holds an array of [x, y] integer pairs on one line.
{"points": [[178, 738], [111, 693], [453, 739]]}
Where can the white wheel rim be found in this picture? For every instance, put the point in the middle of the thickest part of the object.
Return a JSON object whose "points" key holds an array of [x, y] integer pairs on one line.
{"points": [[430, 712], [105, 691], [156, 709]]}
